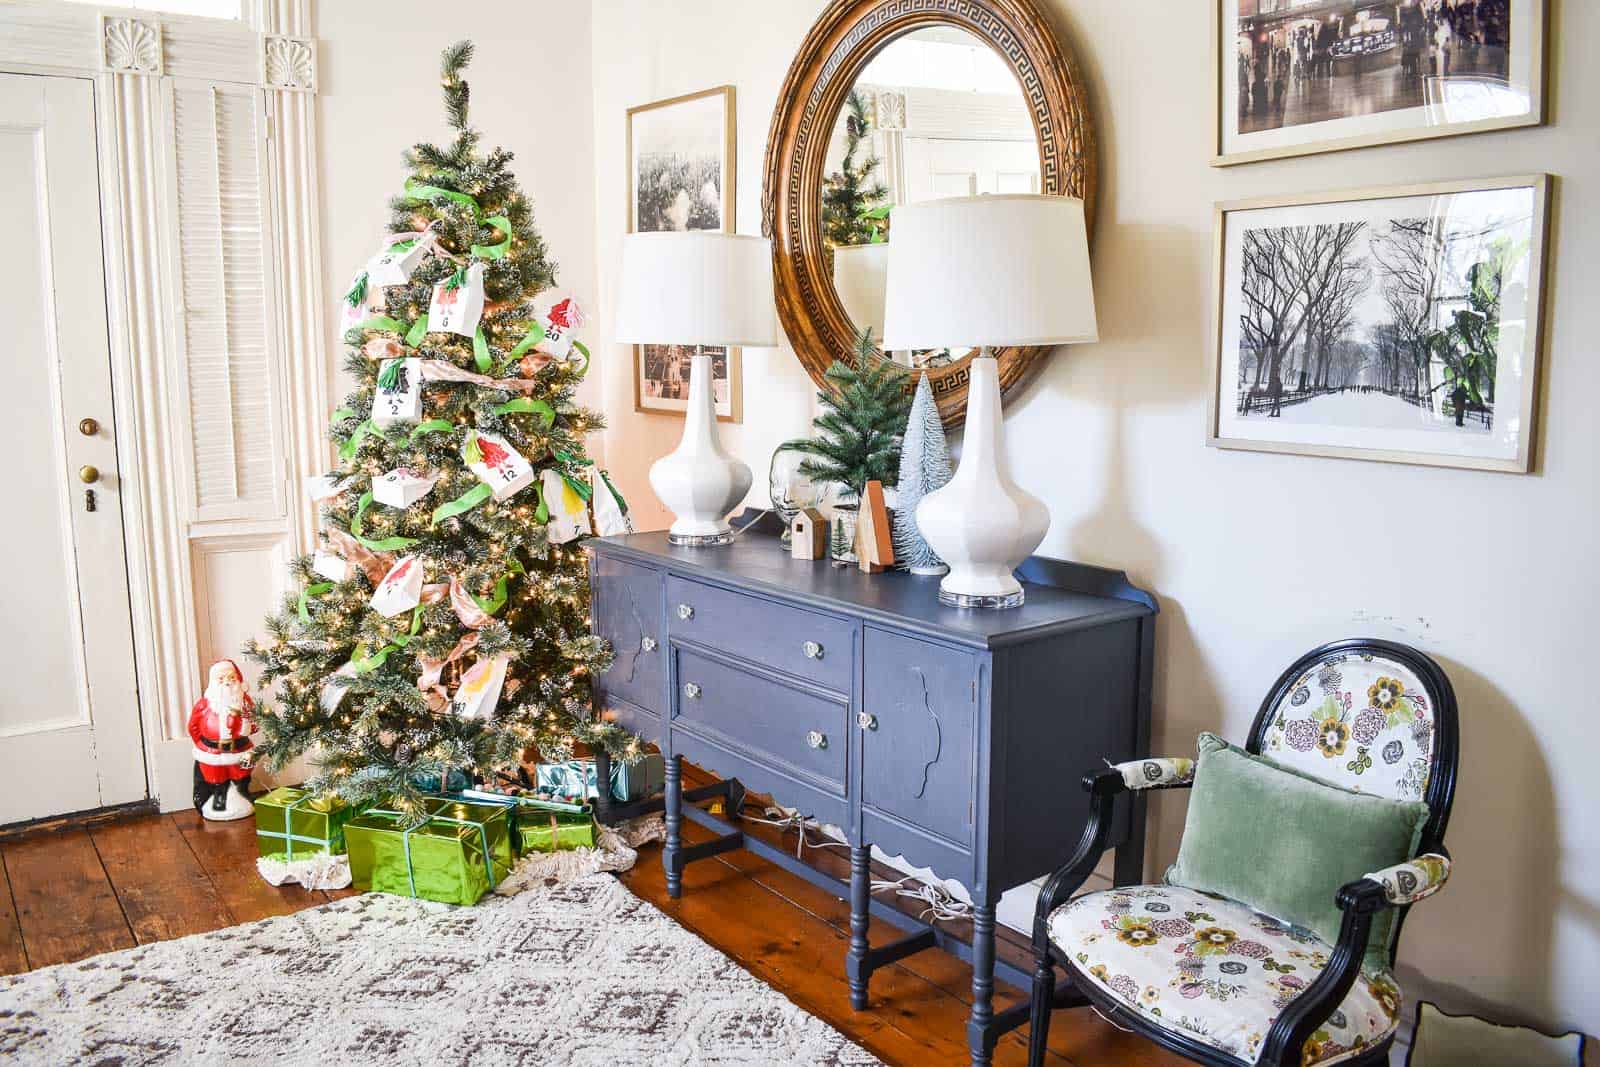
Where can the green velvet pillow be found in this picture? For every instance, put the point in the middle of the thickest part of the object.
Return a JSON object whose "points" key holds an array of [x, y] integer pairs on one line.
{"points": [[1284, 843]]}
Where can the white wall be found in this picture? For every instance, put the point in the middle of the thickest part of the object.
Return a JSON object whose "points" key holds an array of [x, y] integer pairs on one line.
{"points": [[379, 94], [1255, 557]]}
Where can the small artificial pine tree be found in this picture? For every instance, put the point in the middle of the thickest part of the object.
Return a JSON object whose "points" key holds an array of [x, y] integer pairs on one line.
{"points": [[378, 703], [924, 467], [851, 196], [858, 432]]}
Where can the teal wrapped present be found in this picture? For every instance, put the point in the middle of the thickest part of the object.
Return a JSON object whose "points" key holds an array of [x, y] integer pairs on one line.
{"points": [[294, 823], [580, 778], [458, 851]]}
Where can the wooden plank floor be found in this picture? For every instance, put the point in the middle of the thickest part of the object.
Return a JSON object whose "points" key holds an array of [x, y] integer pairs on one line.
{"points": [[69, 894]]}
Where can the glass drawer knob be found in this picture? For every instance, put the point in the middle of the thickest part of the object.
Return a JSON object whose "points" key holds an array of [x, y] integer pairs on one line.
{"points": [[812, 650], [685, 612], [866, 720], [691, 690], [817, 739], [647, 643]]}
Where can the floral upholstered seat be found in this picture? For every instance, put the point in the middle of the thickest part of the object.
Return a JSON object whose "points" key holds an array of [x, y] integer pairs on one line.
{"points": [[1215, 969]]}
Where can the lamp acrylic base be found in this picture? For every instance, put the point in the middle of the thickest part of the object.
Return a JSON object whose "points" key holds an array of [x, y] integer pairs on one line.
{"points": [[992, 600], [700, 540]]}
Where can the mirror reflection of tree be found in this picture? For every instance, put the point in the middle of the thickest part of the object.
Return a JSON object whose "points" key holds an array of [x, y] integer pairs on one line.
{"points": [[853, 198]]}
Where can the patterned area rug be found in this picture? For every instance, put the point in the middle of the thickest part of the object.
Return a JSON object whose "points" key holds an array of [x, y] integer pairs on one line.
{"points": [[582, 973]]}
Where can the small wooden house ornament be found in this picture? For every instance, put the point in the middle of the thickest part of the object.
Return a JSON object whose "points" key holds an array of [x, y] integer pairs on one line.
{"points": [[874, 534], [808, 534]]}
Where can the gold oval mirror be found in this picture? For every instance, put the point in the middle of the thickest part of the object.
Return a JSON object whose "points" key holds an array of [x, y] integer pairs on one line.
{"points": [[889, 102]]}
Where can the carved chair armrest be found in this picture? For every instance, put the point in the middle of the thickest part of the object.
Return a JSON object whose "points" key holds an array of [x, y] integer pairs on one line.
{"points": [[1360, 901], [1156, 772]]}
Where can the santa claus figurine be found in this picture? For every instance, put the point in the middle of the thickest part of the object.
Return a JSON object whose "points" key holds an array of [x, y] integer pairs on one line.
{"points": [[220, 727]]}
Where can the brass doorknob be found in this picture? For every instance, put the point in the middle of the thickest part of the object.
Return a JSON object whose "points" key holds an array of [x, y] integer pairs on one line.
{"points": [[88, 427], [88, 474]]}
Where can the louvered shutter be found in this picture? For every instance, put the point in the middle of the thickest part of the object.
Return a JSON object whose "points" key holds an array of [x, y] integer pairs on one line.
{"points": [[222, 261]]}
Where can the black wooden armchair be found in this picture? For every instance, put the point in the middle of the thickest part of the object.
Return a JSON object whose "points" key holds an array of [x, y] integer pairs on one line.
{"points": [[1235, 986]]}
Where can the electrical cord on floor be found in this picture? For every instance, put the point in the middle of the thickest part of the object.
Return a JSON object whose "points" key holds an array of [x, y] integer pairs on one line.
{"points": [[938, 901]]}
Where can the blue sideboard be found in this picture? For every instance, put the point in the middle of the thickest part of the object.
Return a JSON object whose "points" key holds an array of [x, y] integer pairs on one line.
{"points": [[954, 738]]}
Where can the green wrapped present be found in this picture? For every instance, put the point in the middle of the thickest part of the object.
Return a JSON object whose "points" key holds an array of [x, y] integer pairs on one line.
{"points": [[545, 827], [454, 855], [294, 823]]}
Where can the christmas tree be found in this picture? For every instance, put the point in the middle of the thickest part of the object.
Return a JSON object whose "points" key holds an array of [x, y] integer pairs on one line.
{"points": [[858, 433], [853, 212], [924, 467], [443, 628]]}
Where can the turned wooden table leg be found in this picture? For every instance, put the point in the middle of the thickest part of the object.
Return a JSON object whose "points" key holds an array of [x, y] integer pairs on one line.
{"points": [[674, 813], [980, 1042], [860, 918]]}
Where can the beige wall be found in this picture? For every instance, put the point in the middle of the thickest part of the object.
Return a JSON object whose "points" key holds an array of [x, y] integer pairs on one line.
{"points": [[379, 94], [1255, 557]]}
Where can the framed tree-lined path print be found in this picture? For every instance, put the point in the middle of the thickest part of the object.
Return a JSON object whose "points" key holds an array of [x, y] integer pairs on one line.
{"points": [[1398, 324], [681, 176], [1300, 76]]}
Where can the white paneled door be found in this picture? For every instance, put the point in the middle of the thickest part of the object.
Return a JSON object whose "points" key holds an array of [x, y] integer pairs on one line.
{"points": [[70, 736]]}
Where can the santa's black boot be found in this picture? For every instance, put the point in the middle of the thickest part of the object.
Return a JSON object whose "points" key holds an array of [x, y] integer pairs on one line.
{"points": [[219, 799], [202, 789]]}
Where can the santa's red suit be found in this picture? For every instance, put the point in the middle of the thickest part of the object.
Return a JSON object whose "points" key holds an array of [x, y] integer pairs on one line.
{"points": [[220, 726]]}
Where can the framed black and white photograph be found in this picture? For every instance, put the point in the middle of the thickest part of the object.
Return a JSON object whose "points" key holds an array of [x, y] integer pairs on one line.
{"points": [[1302, 76], [1396, 324], [681, 176]]}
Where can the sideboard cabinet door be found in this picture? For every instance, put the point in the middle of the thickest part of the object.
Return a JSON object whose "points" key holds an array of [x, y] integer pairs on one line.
{"points": [[919, 746], [627, 613]]}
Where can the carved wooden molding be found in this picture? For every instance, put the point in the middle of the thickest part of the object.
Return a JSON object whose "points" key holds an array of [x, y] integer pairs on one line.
{"points": [[131, 45], [844, 39], [288, 62]]}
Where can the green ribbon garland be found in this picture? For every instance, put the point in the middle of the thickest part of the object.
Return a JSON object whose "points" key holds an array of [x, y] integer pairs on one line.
{"points": [[431, 426], [465, 502], [526, 405], [418, 331], [498, 599], [585, 353], [541, 513], [469, 448], [340, 414], [348, 450], [306, 594], [421, 191], [499, 249], [387, 544], [357, 293], [363, 664], [534, 335], [480, 352], [381, 322]]}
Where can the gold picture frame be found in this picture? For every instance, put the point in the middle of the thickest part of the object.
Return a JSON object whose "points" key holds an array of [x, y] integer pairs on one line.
{"points": [[1363, 422], [687, 137], [1526, 50]]}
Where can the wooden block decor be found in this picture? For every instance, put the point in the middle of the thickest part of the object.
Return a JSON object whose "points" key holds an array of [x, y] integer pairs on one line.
{"points": [[808, 535], [874, 536]]}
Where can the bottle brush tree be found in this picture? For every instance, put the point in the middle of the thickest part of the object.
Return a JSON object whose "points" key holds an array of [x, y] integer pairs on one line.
{"points": [[442, 627], [859, 431], [924, 467]]}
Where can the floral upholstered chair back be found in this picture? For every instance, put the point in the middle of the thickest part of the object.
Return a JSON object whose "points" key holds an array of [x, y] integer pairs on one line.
{"points": [[1362, 715]]}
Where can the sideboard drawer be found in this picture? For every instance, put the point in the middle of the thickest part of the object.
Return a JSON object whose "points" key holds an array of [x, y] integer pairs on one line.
{"points": [[627, 613], [804, 643], [803, 731]]}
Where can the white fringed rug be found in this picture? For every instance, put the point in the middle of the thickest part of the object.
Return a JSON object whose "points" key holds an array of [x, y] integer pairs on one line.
{"points": [[580, 973]]}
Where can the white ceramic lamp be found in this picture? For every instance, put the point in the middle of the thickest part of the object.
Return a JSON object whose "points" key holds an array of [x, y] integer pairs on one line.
{"points": [[697, 289], [982, 272]]}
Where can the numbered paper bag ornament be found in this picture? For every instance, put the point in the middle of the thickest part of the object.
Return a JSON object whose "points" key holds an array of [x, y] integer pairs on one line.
{"points": [[320, 487], [569, 511], [458, 302], [401, 588], [330, 565], [398, 397], [402, 487], [333, 688], [361, 301], [479, 692], [393, 263], [610, 510], [561, 318], [498, 465]]}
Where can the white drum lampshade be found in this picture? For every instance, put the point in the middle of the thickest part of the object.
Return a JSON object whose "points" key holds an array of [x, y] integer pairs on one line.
{"points": [[699, 289], [860, 276], [985, 272]]}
